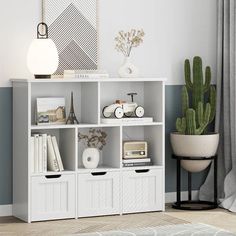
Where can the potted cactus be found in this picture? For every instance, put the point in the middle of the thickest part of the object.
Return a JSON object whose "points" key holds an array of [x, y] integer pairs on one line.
{"points": [[191, 138]]}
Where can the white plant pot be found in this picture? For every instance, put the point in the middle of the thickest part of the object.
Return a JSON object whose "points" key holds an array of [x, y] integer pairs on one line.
{"points": [[90, 158], [194, 146], [128, 70]]}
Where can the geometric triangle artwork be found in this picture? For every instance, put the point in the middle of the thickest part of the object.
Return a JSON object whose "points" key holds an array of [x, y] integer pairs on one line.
{"points": [[72, 25]]}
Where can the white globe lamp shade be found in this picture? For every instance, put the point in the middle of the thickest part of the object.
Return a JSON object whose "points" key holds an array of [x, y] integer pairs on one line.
{"points": [[42, 58]]}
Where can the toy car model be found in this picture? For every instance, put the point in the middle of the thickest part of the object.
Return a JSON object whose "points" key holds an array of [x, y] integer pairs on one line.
{"points": [[121, 108]]}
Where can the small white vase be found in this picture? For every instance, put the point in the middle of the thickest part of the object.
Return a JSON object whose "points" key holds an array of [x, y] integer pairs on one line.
{"points": [[128, 70], [90, 158]]}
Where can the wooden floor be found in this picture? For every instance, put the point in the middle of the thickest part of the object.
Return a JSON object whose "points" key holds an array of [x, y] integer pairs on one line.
{"points": [[219, 218]]}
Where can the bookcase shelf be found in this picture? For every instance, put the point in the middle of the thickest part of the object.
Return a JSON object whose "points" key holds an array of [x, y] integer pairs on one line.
{"points": [[142, 167], [44, 127], [77, 191], [98, 169], [52, 173]]}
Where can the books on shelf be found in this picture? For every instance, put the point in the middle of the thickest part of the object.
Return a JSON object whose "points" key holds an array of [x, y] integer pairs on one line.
{"points": [[57, 153], [44, 154], [85, 74], [137, 162]]}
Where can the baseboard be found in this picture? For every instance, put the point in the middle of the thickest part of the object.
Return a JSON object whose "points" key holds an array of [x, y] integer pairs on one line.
{"points": [[6, 210], [171, 197]]}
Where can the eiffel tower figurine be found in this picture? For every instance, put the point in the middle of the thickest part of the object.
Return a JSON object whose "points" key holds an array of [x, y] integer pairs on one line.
{"points": [[72, 117]]}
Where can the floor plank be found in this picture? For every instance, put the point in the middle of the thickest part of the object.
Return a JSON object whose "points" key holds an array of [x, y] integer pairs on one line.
{"points": [[10, 226]]}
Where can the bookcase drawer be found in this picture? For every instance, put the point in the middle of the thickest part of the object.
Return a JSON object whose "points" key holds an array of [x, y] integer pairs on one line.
{"points": [[53, 197], [142, 190], [98, 194]]}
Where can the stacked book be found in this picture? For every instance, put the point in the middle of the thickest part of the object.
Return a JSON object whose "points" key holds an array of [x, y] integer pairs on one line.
{"points": [[85, 74], [137, 162], [45, 154]]}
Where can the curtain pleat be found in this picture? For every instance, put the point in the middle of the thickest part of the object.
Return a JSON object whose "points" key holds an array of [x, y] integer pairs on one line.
{"points": [[226, 109]]}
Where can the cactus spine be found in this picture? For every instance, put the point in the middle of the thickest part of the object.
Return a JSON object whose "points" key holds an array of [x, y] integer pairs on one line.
{"points": [[196, 119]]}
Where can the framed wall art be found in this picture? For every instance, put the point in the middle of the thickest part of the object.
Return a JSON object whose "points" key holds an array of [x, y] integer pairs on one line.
{"points": [[73, 26]]}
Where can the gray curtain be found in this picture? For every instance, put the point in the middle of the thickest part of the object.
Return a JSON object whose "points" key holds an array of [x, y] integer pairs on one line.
{"points": [[226, 108]]}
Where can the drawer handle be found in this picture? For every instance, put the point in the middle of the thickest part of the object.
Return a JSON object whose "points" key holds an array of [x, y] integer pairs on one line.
{"points": [[52, 176], [99, 173], [142, 171]]}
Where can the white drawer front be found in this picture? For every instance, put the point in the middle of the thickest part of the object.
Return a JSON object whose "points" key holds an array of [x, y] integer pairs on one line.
{"points": [[98, 194], [142, 190], [53, 198]]}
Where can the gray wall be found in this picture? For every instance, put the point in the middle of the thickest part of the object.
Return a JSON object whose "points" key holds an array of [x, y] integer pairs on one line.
{"points": [[5, 146], [172, 111]]}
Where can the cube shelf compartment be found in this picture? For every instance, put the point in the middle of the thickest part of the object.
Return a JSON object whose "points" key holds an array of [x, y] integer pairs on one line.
{"points": [[107, 159], [77, 191], [66, 139], [154, 137]]}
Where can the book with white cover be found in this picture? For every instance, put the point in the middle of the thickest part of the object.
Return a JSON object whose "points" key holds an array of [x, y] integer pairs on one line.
{"points": [[57, 153], [32, 154], [52, 160], [85, 74], [44, 152], [36, 153], [40, 154]]}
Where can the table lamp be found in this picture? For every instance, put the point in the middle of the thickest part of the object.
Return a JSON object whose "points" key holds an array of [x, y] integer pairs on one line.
{"points": [[42, 59]]}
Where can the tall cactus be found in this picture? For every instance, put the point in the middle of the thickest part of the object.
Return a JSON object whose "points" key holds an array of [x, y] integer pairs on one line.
{"points": [[185, 100], [196, 119]]}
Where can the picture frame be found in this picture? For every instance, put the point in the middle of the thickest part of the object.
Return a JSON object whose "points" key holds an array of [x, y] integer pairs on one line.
{"points": [[50, 111], [73, 26]]}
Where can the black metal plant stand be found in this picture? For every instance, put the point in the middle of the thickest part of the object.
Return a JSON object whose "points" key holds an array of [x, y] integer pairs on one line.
{"points": [[190, 204]]}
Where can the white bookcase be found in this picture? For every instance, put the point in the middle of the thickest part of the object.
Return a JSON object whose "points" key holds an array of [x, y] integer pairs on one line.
{"points": [[79, 192]]}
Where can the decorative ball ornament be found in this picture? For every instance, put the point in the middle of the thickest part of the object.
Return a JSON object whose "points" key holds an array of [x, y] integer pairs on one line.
{"points": [[42, 58]]}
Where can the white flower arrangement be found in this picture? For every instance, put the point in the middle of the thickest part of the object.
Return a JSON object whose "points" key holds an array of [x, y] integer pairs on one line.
{"points": [[126, 41]]}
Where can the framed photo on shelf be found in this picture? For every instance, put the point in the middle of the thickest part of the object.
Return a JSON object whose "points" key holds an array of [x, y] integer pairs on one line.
{"points": [[50, 111]]}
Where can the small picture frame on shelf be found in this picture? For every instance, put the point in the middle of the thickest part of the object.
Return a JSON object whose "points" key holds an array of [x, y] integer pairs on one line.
{"points": [[50, 111]]}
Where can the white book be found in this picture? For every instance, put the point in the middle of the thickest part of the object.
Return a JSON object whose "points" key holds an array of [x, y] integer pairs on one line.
{"points": [[57, 153], [40, 155], [90, 72], [36, 153], [86, 76], [51, 160], [32, 154], [44, 152]]}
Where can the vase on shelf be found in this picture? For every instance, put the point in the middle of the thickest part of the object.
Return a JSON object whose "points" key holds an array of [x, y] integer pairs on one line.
{"points": [[90, 158], [128, 70]]}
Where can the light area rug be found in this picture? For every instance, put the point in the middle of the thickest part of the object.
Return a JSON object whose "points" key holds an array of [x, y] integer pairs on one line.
{"points": [[168, 230]]}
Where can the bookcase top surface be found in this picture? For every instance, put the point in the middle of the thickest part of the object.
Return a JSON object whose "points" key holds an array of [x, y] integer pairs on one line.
{"points": [[61, 80]]}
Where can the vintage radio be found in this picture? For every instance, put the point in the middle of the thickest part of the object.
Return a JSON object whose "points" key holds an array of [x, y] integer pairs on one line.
{"points": [[135, 149]]}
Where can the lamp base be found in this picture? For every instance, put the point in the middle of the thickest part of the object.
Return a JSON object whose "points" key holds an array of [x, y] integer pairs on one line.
{"points": [[42, 76]]}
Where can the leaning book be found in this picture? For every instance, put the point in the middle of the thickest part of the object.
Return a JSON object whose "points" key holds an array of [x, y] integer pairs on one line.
{"points": [[50, 111]]}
